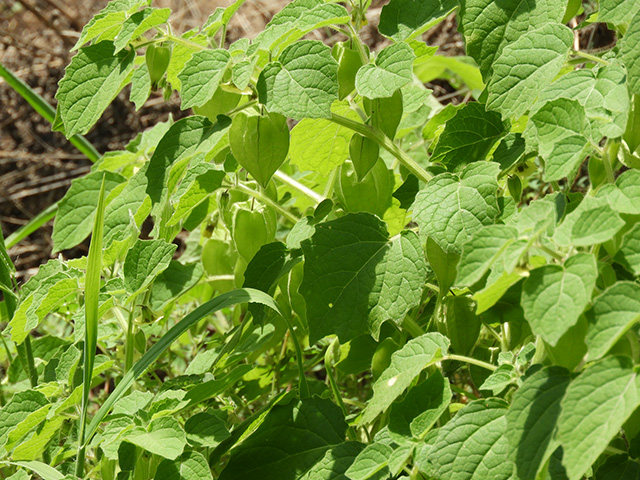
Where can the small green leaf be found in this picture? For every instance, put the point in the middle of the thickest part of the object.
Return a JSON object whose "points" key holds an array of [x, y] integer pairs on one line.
{"points": [[461, 325], [289, 442], [181, 54], [406, 365], [404, 20], [554, 296], [18, 409], [371, 194], [629, 253], [629, 53], [77, 209], [260, 143], [370, 461], [144, 261], [82, 102], [481, 250], [451, 208], [473, 445], [356, 278], [303, 83], [614, 311], [418, 411], [488, 27], [468, 136], [163, 437], [201, 76], [526, 66], [504, 376], [592, 222], [532, 417], [335, 462], [444, 264], [190, 466], [392, 69], [199, 183], [140, 86], [594, 408], [624, 196], [175, 280], [205, 430], [139, 23]]}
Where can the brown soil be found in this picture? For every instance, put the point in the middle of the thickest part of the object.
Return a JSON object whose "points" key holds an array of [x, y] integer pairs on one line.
{"points": [[37, 165]]}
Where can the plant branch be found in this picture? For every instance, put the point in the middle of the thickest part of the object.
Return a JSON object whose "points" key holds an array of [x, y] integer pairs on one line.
{"points": [[472, 361], [307, 192], [592, 58], [267, 201], [385, 142]]}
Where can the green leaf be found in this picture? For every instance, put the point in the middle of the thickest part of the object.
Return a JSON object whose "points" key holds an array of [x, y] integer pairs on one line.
{"points": [[335, 462], [205, 430], [554, 296], [619, 467], [320, 145], [629, 253], [614, 311], [356, 278], [190, 466], [473, 445], [629, 53], [175, 280], [392, 69], [594, 408], [295, 20], [289, 442], [260, 143], [617, 11], [45, 471], [144, 261], [451, 208], [184, 139], [406, 364], [197, 186], [32, 447], [181, 54], [557, 129], [163, 437], [140, 86], [404, 20], [532, 417], [461, 325], [201, 76], [482, 250], [370, 461], [108, 20], [419, 410], [50, 294], [18, 409], [592, 222], [77, 209], [488, 27], [624, 196], [526, 66], [139, 23], [444, 264], [499, 380], [468, 136], [303, 83], [81, 102]]}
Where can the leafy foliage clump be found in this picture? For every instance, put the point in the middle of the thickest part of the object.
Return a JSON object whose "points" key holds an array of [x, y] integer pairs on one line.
{"points": [[431, 294]]}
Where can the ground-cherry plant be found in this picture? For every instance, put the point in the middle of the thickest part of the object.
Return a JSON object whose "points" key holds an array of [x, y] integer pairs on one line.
{"points": [[371, 284]]}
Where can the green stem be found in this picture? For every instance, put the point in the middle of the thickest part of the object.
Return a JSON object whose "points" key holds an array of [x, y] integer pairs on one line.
{"points": [[130, 339], [472, 361], [175, 39], [385, 142], [307, 192], [412, 326], [26, 356], [590, 57], [41, 106], [266, 200], [304, 386], [328, 366], [328, 191], [609, 157], [244, 106]]}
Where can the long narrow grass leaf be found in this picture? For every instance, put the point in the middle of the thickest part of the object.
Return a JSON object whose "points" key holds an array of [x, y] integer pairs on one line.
{"points": [[47, 472], [34, 224], [91, 292], [241, 295]]}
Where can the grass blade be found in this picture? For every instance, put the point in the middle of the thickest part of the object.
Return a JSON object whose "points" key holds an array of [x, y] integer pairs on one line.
{"points": [[91, 292], [41, 106], [241, 295], [35, 223]]}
